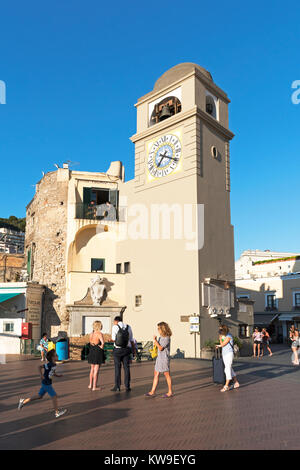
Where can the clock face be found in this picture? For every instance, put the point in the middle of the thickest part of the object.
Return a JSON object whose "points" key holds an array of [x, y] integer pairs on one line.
{"points": [[164, 156]]}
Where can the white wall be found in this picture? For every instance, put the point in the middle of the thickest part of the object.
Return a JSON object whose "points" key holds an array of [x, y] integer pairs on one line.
{"points": [[9, 345], [17, 326]]}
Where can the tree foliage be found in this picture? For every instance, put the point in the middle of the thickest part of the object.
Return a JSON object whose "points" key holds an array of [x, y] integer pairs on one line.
{"points": [[13, 222]]}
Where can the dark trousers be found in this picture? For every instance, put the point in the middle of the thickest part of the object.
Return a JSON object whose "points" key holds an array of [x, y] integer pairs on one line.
{"points": [[122, 355]]}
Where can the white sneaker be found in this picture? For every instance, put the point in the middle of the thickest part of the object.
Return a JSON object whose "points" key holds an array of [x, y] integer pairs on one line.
{"points": [[21, 403], [60, 413]]}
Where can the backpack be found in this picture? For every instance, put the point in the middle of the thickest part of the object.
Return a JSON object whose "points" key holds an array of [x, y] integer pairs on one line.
{"points": [[122, 337]]}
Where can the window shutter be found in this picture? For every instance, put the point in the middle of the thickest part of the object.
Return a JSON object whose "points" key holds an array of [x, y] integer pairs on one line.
{"points": [[86, 195], [114, 200], [29, 261], [113, 197]]}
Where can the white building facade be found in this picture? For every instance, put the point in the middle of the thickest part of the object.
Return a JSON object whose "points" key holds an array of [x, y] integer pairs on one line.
{"points": [[272, 281]]}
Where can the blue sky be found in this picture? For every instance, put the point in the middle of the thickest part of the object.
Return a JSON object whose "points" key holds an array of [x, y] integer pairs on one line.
{"points": [[74, 69]]}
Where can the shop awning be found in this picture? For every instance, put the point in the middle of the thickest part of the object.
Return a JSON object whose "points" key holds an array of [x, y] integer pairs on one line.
{"points": [[4, 297], [288, 316], [260, 319]]}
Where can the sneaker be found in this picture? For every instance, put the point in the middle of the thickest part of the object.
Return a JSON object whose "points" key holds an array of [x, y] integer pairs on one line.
{"points": [[21, 403], [60, 413]]}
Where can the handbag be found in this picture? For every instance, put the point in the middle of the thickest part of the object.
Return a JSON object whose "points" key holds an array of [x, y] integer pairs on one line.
{"points": [[154, 352]]}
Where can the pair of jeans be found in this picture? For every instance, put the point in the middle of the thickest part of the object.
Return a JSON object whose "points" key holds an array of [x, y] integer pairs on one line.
{"points": [[122, 355], [228, 359]]}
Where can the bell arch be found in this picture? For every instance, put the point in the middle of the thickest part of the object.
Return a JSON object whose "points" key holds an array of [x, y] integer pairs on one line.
{"points": [[166, 108]]}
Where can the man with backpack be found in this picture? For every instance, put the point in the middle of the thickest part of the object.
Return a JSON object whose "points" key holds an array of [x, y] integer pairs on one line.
{"points": [[123, 347]]}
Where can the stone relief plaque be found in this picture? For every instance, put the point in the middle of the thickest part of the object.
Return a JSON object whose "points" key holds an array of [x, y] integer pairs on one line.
{"points": [[217, 296]]}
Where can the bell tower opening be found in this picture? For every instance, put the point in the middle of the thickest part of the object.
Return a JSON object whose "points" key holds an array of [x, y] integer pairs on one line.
{"points": [[166, 108], [211, 105]]}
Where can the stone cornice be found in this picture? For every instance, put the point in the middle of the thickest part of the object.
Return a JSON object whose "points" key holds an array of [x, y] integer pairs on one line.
{"points": [[177, 119], [211, 86], [215, 124]]}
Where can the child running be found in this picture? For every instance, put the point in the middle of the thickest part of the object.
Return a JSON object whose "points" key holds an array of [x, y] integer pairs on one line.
{"points": [[46, 371]]}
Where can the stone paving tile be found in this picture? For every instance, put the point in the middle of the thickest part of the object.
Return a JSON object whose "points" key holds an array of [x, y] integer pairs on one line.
{"points": [[262, 414]]}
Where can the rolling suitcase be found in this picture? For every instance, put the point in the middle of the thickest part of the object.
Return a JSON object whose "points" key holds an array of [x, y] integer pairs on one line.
{"points": [[218, 367]]}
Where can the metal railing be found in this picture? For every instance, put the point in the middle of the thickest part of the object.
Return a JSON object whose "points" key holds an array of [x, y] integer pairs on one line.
{"points": [[96, 212]]}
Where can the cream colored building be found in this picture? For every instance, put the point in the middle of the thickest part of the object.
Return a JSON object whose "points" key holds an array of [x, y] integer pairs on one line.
{"points": [[267, 263], [164, 248], [272, 281]]}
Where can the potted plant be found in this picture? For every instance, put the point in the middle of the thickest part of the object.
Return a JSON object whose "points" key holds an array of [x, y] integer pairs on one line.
{"points": [[237, 345], [207, 351]]}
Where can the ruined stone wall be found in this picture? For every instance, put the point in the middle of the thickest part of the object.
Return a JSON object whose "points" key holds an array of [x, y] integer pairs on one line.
{"points": [[11, 267], [46, 233]]}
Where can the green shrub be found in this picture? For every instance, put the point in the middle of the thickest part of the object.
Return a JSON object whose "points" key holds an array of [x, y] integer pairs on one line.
{"points": [[238, 342], [210, 343]]}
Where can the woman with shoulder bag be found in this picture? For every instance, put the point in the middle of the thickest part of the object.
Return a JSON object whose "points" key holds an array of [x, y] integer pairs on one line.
{"points": [[226, 343], [162, 364]]}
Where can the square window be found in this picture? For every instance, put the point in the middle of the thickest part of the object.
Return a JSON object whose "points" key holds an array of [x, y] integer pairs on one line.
{"points": [[119, 268], [127, 267], [297, 300], [138, 300], [271, 301], [97, 264], [244, 331], [8, 327]]}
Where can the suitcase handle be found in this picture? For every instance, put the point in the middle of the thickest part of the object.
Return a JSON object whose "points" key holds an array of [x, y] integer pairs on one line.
{"points": [[218, 353]]}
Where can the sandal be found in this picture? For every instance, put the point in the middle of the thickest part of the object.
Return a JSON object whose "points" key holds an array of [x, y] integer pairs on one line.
{"points": [[151, 395], [167, 396], [224, 389]]}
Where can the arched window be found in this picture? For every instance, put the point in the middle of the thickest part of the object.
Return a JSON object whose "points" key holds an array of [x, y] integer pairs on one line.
{"points": [[211, 106], [166, 108]]}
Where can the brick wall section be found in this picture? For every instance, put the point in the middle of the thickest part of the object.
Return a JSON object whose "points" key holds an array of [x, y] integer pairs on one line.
{"points": [[46, 230]]}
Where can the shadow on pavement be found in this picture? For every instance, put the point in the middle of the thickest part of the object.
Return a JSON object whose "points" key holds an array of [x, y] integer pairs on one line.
{"points": [[69, 425]]}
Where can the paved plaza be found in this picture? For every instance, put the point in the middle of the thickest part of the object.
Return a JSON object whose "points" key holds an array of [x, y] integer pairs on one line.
{"points": [[263, 414]]}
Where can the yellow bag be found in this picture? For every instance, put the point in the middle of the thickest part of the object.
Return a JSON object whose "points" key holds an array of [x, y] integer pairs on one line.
{"points": [[154, 351], [51, 345]]}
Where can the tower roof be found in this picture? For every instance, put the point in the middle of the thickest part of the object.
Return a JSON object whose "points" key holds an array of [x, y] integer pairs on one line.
{"points": [[177, 72]]}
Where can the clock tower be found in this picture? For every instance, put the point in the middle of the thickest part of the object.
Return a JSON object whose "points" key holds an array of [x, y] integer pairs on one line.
{"points": [[182, 167]]}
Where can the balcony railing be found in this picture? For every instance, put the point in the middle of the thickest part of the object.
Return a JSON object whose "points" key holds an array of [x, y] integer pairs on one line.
{"points": [[96, 212]]}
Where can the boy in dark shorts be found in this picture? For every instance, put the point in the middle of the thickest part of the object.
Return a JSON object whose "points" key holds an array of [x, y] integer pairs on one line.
{"points": [[46, 371]]}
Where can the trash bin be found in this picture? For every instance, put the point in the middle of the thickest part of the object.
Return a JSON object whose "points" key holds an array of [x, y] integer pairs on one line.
{"points": [[62, 349]]}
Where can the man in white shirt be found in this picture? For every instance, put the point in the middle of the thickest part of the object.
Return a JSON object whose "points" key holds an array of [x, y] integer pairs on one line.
{"points": [[123, 347]]}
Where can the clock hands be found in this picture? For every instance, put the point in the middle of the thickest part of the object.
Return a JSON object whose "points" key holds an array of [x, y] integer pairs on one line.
{"points": [[162, 157], [166, 156]]}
